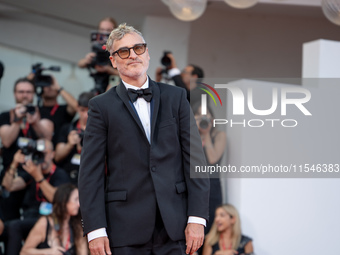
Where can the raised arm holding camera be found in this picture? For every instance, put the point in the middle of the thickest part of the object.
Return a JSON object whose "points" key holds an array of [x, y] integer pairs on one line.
{"points": [[59, 114], [24, 117], [105, 26], [48, 90], [69, 143], [186, 79], [98, 58], [24, 120]]}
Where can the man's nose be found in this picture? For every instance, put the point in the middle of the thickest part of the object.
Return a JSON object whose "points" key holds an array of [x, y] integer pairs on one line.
{"points": [[133, 55]]}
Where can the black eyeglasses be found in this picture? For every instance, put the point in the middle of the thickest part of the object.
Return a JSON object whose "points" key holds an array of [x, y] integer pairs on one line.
{"points": [[124, 52]]}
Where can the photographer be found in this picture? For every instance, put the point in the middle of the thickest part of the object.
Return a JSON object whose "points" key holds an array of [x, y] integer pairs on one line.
{"points": [[105, 27], [69, 144], [186, 79], [50, 109], [39, 180], [22, 121], [214, 144]]}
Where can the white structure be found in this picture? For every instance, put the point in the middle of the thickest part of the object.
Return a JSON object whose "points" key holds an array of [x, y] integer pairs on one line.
{"points": [[291, 215]]}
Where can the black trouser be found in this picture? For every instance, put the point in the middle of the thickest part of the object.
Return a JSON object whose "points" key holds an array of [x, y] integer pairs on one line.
{"points": [[17, 231], [159, 244]]}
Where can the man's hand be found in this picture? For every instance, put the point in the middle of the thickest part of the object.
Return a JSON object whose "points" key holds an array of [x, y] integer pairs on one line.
{"points": [[100, 246], [194, 236], [55, 84], [89, 58], [18, 158], [173, 61], [20, 111], [34, 170], [58, 250], [73, 138], [33, 118]]}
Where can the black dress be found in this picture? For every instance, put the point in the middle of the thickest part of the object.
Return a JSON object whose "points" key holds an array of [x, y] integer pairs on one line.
{"points": [[45, 245], [240, 249]]}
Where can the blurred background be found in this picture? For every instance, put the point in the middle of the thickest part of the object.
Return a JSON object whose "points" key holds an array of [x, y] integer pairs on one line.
{"points": [[262, 41]]}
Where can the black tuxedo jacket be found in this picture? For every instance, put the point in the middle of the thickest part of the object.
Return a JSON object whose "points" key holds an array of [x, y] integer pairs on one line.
{"points": [[123, 177]]}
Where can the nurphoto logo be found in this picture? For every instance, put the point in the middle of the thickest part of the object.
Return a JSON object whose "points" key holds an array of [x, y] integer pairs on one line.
{"points": [[242, 101]]}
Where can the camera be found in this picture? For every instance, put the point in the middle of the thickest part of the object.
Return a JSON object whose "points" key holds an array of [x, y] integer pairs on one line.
{"points": [[204, 123], [41, 80], [98, 41], [33, 150], [30, 109], [101, 58], [165, 60], [81, 133], [101, 81]]}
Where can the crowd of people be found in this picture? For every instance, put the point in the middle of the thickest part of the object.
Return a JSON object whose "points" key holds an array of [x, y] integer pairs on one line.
{"points": [[32, 168], [43, 158]]}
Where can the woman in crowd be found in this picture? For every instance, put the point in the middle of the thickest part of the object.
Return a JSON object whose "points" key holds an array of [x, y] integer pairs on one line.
{"points": [[214, 143], [225, 237], [63, 231]]}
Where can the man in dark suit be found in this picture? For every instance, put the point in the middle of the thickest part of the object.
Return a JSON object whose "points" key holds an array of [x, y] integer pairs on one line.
{"points": [[140, 147]]}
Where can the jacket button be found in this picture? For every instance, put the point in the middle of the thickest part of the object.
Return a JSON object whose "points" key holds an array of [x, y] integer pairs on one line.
{"points": [[153, 169]]}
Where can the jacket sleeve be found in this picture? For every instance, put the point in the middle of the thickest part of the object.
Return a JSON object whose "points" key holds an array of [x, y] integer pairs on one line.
{"points": [[91, 182], [198, 185]]}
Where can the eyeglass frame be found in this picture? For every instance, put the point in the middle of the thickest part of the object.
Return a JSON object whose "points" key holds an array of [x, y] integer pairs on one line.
{"points": [[129, 49]]}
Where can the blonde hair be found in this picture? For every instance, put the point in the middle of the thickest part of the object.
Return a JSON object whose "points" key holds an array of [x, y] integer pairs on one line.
{"points": [[110, 19], [213, 236], [119, 32]]}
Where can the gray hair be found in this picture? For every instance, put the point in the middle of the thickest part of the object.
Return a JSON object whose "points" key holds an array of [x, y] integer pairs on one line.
{"points": [[119, 32]]}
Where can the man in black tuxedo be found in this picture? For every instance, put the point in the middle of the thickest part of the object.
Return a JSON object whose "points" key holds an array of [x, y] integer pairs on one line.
{"points": [[140, 145]]}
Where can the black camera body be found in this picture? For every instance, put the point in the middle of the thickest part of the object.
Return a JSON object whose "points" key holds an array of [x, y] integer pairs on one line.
{"points": [[102, 56], [33, 150], [41, 80], [30, 109], [165, 60], [98, 41], [80, 132], [204, 123]]}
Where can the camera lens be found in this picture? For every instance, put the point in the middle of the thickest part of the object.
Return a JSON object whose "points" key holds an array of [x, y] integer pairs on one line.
{"points": [[30, 109], [38, 157], [165, 60], [204, 123]]}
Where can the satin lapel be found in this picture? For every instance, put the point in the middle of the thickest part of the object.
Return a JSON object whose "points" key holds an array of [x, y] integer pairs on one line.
{"points": [[156, 97], [122, 93]]}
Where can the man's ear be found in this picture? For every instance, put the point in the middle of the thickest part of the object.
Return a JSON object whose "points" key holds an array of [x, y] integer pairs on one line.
{"points": [[113, 62]]}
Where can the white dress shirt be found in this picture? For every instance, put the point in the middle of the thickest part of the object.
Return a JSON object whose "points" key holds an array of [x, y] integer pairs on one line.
{"points": [[142, 107]]}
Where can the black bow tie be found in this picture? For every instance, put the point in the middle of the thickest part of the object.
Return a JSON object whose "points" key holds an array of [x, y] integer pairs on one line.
{"points": [[145, 93]]}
